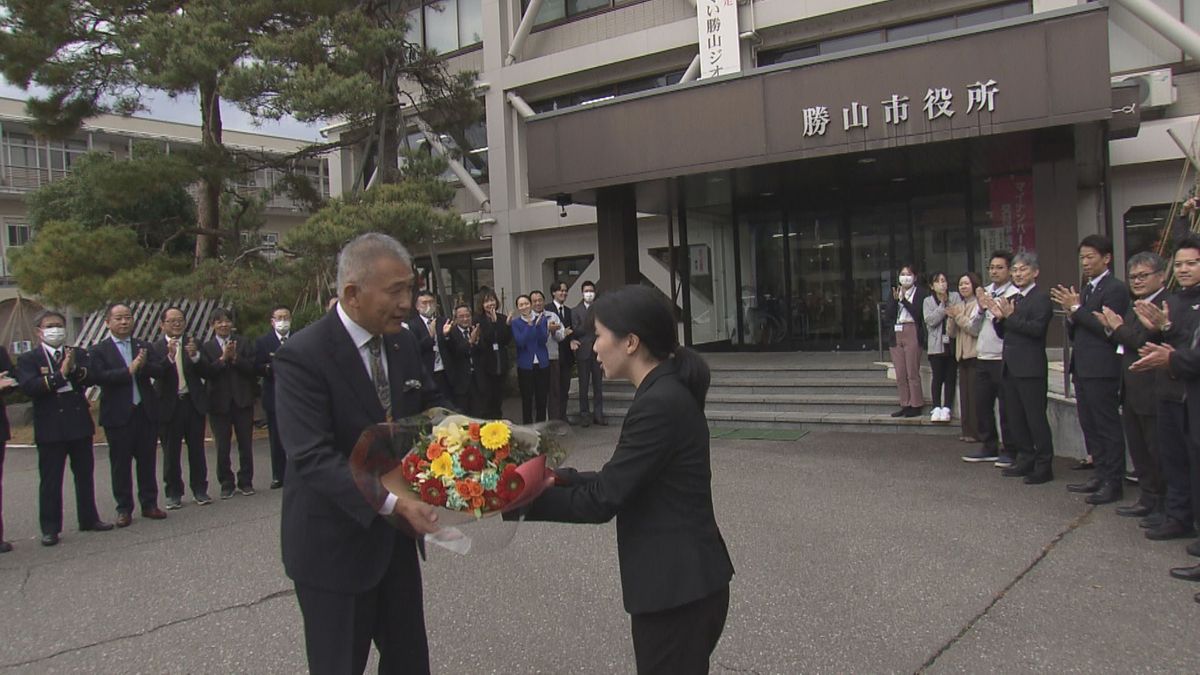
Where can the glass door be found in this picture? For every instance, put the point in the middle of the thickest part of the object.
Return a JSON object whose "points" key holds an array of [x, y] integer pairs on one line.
{"points": [[872, 264], [764, 288], [817, 249]]}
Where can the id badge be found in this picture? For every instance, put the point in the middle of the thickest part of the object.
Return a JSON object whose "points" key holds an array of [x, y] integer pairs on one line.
{"points": [[945, 339], [495, 346], [899, 328], [1120, 349]]}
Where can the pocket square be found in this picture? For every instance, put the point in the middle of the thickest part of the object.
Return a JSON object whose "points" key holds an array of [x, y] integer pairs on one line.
{"points": [[412, 385]]}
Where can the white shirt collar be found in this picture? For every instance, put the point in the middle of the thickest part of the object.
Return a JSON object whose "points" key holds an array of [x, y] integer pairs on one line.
{"points": [[281, 336], [1096, 281], [1155, 294], [1025, 291], [50, 351], [359, 335]]}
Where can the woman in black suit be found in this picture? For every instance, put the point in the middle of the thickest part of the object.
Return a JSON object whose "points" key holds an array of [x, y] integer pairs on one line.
{"points": [[491, 354], [675, 568]]}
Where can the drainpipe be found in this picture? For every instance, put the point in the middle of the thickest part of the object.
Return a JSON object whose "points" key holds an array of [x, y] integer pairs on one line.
{"points": [[459, 170], [1174, 30], [523, 109], [523, 29], [693, 70]]}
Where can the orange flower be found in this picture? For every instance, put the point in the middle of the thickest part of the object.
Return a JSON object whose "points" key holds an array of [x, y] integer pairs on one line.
{"points": [[476, 502], [469, 489], [434, 450], [501, 453], [473, 431]]}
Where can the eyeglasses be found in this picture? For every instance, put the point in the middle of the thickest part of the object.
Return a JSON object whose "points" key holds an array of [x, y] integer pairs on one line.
{"points": [[1141, 276]]}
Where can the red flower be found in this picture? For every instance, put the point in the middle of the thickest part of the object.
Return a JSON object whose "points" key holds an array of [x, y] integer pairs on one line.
{"points": [[502, 453], [511, 484], [433, 492], [411, 466], [493, 501], [473, 431], [471, 459]]}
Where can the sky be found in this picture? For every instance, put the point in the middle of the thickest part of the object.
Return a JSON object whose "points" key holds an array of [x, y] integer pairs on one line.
{"points": [[185, 109]]}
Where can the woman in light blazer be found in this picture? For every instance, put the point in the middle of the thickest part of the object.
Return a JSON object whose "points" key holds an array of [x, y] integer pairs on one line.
{"points": [[966, 338]]}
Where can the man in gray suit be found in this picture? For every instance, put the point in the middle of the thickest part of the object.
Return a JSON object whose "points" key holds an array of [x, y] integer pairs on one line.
{"points": [[583, 335]]}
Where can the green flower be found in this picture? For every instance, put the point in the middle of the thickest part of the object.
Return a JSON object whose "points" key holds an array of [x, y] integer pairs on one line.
{"points": [[488, 479]]}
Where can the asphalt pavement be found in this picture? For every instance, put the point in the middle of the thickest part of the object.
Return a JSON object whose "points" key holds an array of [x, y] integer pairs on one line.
{"points": [[855, 553]]}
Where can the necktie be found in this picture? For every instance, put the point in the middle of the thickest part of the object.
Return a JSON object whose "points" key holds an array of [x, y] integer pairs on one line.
{"points": [[382, 388], [58, 359], [182, 387], [283, 339], [1087, 291], [127, 354]]}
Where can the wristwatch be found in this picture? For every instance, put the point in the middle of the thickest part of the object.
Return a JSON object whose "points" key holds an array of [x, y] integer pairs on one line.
{"points": [[1166, 326], [1075, 308]]}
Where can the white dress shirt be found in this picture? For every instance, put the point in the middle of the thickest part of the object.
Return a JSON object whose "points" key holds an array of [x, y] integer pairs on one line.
{"points": [[361, 337]]}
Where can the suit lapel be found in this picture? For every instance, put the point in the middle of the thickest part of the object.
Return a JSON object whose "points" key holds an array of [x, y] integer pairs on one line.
{"points": [[346, 355]]}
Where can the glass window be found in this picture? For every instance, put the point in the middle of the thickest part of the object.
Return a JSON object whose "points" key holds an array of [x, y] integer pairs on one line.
{"points": [[921, 28], [855, 41], [570, 269], [1146, 228], [470, 23], [18, 233], [441, 26], [551, 10], [580, 6], [790, 54], [415, 29]]}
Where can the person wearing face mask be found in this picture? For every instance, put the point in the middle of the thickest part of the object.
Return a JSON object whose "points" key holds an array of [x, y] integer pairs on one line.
{"points": [[560, 368], [530, 333], [432, 334], [907, 336], [264, 359], [55, 377], [589, 369], [941, 344]]}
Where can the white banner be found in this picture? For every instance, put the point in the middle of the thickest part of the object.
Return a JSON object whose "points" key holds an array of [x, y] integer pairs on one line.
{"points": [[720, 51]]}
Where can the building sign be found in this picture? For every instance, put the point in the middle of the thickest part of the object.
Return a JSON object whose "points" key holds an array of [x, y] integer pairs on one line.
{"points": [[938, 104], [1012, 211], [720, 50]]}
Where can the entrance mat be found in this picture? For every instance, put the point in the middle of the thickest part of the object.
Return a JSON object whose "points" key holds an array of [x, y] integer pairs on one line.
{"points": [[757, 434]]}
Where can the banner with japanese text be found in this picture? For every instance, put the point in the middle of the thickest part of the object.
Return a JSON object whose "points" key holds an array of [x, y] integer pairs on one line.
{"points": [[720, 50], [1012, 210]]}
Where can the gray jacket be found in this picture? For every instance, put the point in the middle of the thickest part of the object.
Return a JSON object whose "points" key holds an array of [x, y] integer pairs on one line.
{"points": [[935, 322]]}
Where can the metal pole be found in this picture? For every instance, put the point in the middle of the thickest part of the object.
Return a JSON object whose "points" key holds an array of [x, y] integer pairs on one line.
{"points": [[523, 109], [693, 70], [1174, 30], [523, 29]]}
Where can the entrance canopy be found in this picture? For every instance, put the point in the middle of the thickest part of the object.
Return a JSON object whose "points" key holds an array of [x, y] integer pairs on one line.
{"points": [[1046, 70]]}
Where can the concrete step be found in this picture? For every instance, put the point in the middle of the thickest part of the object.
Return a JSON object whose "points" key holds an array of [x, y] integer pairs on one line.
{"points": [[805, 386], [793, 371], [813, 421], [783, 402]]}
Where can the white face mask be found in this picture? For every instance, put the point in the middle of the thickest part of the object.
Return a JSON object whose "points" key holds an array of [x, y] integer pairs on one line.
{"points": [[283, 327], [428, 312], [906, 280], [54, 336], [589, 296]]}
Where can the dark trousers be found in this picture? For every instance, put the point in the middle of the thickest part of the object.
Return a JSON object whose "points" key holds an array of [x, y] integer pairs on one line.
{"points": [[1141, 435], [278, 457], [563, 384], [1028, 442], [2, 491], [52, 462], [239, 422], [535, 385], [487, 395], [945, 376], [1099, 407], [969, 408], [556, 405], [989, 388], [1176, 450], [185, 425], [442, 380], [591, 375], [679, 641], [136, 441], [339, 628]]}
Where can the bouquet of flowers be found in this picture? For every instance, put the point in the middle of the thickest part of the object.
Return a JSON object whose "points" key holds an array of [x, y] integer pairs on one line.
{"points": [[469, 468]]}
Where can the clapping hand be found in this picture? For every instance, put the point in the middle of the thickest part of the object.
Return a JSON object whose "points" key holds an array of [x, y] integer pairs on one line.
{"points": [[1004, 308], [7, 381], [1151, 316], [446, 328], [1065, 297], [229, 353], [475, 334], [955, 309], [1153, 356], [1108, 318], [986, 301], [138, 361], [68, 363], [190, 346], [172, 348]]}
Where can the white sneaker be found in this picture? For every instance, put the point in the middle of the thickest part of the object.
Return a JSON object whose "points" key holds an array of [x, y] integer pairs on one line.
{"points": [[941, 414], [936, 415], [947, 414]]}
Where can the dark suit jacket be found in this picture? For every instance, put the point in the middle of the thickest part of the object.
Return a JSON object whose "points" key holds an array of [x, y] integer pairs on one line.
{"points": [[1024, 334], [487, 358], [1184, 322], [458, 357], [425, 342], [1138, 390], [6, 366], [1093, 352], [167, 386], [567, 315], [57, 418], [916, 309], [582, 330], [108, 369], [264, 357], [231, 385], [658, 485], [333, 539]]}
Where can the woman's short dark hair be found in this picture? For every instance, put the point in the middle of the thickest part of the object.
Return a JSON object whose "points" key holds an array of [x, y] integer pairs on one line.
{"points": [[645, 312], [973, 278], [483, 296], [933, 277]]}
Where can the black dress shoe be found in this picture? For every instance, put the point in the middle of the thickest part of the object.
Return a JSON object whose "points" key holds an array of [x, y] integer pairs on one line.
{"points": [[1170, 529], [1016, 471], [1083, 465], [1194, 548], [1107, 494], [5, 547], [1039, 478], [98, 526], [49, 540], [1151, 521], [901, 412], [601, 422], [1186, 573], [1092, 485], [585, 422], [276, 484], [1196, 597], [124, 519], [913, 411], [1135, 510]]}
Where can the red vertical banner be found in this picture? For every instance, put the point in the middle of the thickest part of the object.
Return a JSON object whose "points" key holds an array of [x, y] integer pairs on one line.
{"points": [[1012, 209]]}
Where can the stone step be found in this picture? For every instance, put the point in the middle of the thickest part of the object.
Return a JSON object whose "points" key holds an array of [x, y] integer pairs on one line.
{"points": [[792, 371], [879, 386], [814, 421], [789, 402]]}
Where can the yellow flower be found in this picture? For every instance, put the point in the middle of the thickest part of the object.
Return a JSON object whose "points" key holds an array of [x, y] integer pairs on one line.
{"points": [[452, 437], [494, 435], [442, 466]]}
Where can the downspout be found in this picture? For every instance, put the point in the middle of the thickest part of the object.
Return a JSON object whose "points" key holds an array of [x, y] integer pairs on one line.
{"points": [[1174, 30], [523, 29]]}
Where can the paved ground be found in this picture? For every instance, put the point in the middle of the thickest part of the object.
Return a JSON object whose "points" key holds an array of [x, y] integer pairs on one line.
{"points": [[854, 553]]}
